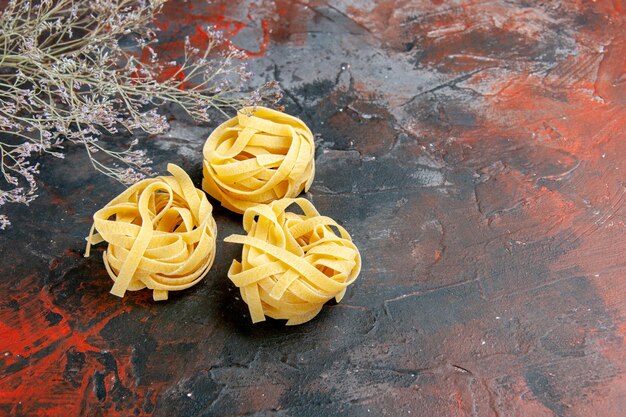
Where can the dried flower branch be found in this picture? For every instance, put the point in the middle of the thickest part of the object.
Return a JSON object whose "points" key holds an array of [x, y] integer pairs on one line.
{"points": [[72, 71]]}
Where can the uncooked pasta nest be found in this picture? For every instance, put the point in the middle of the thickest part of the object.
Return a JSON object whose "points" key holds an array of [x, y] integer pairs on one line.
{"points": [[257, 157], [161, 235], [292, 264]]}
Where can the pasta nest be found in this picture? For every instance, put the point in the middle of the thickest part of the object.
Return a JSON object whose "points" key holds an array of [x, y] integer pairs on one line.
{"points": [[257, 157], [161, 235], [292, 264]]}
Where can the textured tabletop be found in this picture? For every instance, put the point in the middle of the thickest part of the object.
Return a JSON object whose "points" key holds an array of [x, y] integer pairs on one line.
{"points": [[475, 150]]}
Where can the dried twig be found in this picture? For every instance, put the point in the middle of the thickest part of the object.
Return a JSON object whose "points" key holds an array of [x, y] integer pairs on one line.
{"points": [[70, 71]]}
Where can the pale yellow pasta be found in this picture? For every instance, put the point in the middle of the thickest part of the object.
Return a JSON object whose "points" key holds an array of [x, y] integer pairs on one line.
{"points": [[292, 264], [161, 235], [257, 157]]}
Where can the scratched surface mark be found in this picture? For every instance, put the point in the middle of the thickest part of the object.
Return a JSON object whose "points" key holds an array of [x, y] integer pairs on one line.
{"points": [[475, 151]]}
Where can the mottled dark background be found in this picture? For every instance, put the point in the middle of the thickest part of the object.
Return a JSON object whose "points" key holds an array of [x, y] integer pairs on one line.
{"points": [[476, 152]]}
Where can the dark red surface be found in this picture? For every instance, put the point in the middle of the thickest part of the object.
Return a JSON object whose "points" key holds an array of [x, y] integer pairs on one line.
{"points": [[476, 152]]}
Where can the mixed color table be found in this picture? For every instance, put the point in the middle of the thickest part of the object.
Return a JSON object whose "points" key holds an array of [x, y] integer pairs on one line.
{"points": [[475, 150]]}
